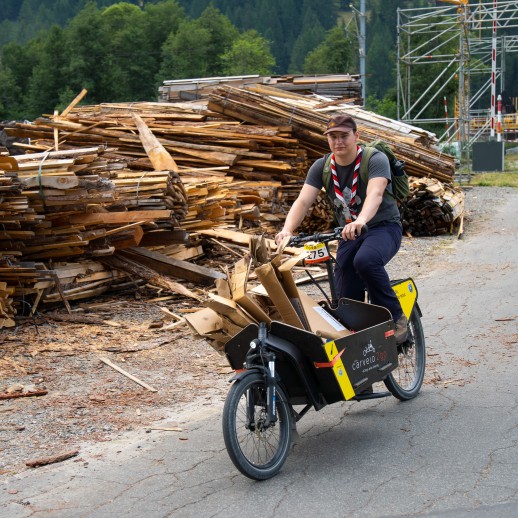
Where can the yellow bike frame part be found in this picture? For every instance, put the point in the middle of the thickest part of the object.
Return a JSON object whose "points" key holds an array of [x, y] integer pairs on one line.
{"points": [[339, 370]]}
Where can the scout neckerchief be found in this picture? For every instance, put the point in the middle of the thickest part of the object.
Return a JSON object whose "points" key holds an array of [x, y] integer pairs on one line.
{"points": [[336, 183]]}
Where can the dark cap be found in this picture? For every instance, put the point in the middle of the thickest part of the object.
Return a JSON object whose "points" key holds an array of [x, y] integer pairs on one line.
{"points": [[340, 123]]}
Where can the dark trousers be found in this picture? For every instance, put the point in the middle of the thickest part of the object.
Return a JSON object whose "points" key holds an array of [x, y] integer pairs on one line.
{"points": [[361, 265]]}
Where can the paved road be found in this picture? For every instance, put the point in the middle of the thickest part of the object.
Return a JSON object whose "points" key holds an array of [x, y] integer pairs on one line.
{"points": [[451, 452]]}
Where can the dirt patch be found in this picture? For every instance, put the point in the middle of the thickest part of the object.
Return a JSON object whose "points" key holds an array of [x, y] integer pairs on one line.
{"points": [[87, 400]]}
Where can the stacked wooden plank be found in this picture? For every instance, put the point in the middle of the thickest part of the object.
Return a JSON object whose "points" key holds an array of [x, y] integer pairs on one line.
{"points": [[249, 152], [70, 202], [330, 85], [308, 122]]}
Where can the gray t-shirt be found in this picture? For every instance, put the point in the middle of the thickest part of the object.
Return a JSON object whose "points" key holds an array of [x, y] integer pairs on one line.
{"points": [[379, 166]]}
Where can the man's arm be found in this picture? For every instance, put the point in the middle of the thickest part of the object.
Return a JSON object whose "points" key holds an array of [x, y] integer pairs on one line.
{"points": [[307, 196]]}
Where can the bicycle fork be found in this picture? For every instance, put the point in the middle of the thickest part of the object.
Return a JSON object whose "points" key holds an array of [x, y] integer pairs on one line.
{"points": [[253, 396]]}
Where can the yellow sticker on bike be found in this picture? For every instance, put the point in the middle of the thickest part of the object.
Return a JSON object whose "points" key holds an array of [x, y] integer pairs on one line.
{"points": [[339, 370], [316, 253], [406, 292]]}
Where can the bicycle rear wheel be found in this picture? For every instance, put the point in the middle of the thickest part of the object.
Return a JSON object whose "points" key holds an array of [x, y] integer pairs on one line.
{"points": [[405, 381], [257, 450]]}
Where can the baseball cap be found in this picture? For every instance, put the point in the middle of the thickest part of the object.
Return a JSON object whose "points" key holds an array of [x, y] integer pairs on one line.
{"points": [[340, 123]]}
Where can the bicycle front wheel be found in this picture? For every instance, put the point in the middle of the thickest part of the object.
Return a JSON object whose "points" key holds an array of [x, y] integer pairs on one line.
{"points": [[257, 449], [405, 381]]}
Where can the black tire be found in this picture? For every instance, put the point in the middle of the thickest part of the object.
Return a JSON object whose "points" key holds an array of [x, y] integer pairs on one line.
{"points": [[405, 381], [258, 452]]}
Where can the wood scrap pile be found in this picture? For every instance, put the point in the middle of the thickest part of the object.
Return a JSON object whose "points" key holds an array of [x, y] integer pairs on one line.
{"points": [[197, 141], [228, 169], [81, 202], [99, 181], [432, 208]]}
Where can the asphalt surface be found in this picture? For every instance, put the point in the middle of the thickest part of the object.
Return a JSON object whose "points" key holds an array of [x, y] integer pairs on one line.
{"points": [[450, 452]]}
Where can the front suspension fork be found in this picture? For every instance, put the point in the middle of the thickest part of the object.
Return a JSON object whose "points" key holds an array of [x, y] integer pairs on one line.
{"points": [[269, 374]]}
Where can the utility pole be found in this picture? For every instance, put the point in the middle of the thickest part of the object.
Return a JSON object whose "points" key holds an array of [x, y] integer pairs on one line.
{"points": [[361, 41], [362, 48]]}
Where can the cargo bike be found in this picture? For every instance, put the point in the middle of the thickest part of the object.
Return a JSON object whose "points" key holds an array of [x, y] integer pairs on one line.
{"points": [[283, 371]]}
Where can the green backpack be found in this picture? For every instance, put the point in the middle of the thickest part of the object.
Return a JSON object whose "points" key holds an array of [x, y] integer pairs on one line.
{"points": [[398, 176]]}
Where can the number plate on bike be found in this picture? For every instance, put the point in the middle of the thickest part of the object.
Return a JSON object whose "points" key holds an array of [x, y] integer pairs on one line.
{"points": [[316, 253]]}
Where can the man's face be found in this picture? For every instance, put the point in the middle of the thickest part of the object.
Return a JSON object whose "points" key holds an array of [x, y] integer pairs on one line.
{"points": [[342, 142]]}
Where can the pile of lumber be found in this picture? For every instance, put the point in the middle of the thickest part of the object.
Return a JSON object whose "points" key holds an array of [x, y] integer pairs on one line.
{"points": [[343, 86], [98, 181], [432, 208], [79, 201], [308, 121]]}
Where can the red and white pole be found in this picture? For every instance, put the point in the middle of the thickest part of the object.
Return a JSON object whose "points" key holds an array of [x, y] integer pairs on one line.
{"points": [[499, 119], [493, 70], [446, 116]]}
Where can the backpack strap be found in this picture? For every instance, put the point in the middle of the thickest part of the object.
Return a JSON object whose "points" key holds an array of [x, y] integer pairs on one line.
{"points": [[368, 151], [326, 172]]}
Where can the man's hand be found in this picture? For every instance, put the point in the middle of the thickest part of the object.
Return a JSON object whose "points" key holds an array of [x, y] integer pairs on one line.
{"points": [[281, 235], [352, 230]]}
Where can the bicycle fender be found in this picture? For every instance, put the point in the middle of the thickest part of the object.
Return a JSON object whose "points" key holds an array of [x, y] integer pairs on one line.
{"points": [[238, 376]]}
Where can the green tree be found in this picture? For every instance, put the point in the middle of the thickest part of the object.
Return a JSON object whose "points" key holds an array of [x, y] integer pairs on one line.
{"points": [[311, 35], [386, 106], [162, 19], [222, 35], [250, 54], [130, 65], [380, 61], [16, 63], [86, 42], [47, 76], [184, 54], [10, 9], [335, 55], [10, 96]]}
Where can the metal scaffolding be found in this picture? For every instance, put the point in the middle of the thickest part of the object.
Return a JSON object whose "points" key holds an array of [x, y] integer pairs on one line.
{"points": [[463, 40]]}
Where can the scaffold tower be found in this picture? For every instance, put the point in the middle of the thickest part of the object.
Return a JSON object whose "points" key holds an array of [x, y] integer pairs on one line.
{"points": [[463, 40]]}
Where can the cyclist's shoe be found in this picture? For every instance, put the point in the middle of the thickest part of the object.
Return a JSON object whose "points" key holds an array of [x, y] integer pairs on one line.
{"points": [[401, 331]]}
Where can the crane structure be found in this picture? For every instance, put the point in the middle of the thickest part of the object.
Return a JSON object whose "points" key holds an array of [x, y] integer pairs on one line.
{"points": [[458, 43]]}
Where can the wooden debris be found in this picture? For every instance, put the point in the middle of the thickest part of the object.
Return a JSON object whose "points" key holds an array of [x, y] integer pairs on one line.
{"points": [[74, 318], [44, 461], [32, 393], [167, 429], [337, 85], [127, 374], [432, 208]]}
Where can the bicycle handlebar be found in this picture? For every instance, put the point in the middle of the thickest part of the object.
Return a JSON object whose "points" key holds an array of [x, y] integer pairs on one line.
{"points": [[320, 237]]}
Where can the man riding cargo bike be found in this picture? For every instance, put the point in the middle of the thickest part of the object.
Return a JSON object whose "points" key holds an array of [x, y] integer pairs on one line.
{"points": [[280, 367]]}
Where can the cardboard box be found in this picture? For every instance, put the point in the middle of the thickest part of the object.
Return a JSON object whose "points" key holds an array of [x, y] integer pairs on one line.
{"points": [[216, 329], [280, 286], [238, 285], [320, 321], [204, 321], [229, 309]]}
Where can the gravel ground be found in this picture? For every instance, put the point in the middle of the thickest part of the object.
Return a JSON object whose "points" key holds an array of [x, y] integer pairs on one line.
{"points": [[88, 401]]}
